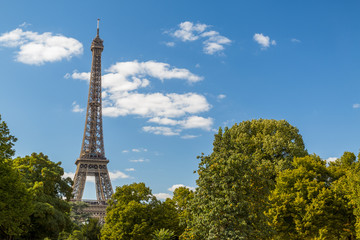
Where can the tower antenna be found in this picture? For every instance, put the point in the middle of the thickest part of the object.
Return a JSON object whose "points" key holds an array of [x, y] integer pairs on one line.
{"points": [[98, 21]]}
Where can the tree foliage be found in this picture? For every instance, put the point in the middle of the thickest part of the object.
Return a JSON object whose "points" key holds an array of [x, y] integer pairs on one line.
{"points": [[237, 177], [6, 141], [350, 185], [182, 199], [77, 214], [44, 179], [15, 199], [258, 183], [163, 234], [309, 203], [134, 213]]}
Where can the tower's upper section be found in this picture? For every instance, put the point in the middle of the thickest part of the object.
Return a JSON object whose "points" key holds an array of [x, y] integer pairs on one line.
{"points": [[97, 43], [93, 142]]}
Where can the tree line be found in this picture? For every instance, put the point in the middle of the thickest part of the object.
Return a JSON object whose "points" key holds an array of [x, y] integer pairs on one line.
{"points": [[259, 182]]}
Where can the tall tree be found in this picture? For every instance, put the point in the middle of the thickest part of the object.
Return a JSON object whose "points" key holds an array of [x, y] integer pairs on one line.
{"points": [[182, 199], [350, 184], [51, 210], [134, 213], [15, 199], [236, 178], [308, 204], [6, 141], [91, 229]]}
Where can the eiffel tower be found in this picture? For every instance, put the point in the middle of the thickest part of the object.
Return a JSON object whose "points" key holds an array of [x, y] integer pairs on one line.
{"points": [[92, 160]]}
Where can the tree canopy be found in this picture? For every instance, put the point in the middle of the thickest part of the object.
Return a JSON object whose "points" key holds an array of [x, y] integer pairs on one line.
{"points": [[134, 213], [307, 202], [44, 179], [15, 199], [236, 178], [258, 183], [7, 141]]}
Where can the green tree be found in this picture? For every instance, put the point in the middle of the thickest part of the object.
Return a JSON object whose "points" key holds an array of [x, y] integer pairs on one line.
{"points": [[163, 234], [77, 214], [6, 141], [76, 235], [236, 178], [134, 213], [350, 184], [91, 230], [15, 199], [44, 179], [306, 204], [182, 199]]}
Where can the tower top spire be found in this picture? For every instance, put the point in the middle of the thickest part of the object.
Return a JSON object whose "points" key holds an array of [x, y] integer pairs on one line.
{"points": [[97, 41], [98, 21]]}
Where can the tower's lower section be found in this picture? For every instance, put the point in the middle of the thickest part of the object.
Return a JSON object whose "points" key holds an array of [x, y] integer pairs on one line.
{"points": [[96, 210], [97, 168], [93, 209]]}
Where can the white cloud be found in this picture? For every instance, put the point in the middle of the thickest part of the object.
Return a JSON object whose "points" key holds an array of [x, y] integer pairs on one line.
{"points": [[188, 31], [166, 131], [117, 174], [155, 104], [170, 44], [125, 151], [113, 176], [197, 122], [130, 169], [356, 105], [72, 175], [294, 40], [139, 160], [188, 123], [264, 41], [37, 49], [68, 174], [132, 74], [24, 25], [139, 150], [77, 108], [122, 82], [331, 159], [164, 121], [173, 187], [221, 96], [90, 179], [81, 76], [213, 43], [189, 136], [162, 196]]}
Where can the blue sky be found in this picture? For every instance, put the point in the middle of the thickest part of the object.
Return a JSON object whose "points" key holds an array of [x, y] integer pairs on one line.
{"points": [[173, 73]]}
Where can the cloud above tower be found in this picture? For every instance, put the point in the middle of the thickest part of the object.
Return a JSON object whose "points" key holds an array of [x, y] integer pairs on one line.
{"points": [[167, 113], [264, 41], [213, 42], [37, 49]]}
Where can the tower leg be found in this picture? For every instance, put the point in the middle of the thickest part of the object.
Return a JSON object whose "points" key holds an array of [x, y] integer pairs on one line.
{"points": [[79, 185], [99, 191], [106, 185]]}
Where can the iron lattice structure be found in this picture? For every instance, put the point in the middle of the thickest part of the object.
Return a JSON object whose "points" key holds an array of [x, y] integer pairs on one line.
{"points": [[92, 161]]}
